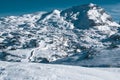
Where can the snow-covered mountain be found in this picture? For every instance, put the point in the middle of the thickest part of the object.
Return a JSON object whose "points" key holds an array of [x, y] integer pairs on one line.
{"points": [[75, 34]]}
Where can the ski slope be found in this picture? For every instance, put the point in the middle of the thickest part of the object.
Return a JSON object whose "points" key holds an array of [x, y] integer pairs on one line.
{"points": [[38, 71]]}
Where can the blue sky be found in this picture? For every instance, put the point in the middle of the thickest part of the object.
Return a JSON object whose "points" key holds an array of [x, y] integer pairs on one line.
{"points": [[17, 7], [113, 10]]}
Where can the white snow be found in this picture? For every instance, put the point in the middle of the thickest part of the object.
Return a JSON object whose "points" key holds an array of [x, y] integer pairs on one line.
{"points": [[37, 71]]}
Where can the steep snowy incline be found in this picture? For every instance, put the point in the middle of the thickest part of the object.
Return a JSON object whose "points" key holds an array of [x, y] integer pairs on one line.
{"points": [[37, 71], [48, 36]]}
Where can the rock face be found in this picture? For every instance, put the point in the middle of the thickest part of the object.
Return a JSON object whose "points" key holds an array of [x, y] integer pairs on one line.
{"points": [[48, 36]]}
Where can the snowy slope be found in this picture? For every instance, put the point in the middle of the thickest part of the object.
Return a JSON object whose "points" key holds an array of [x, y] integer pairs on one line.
{"points": [[37, 71], [79, 32], [103, 58]]}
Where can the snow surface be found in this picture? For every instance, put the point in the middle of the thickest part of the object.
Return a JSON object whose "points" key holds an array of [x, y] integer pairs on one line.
{"points": [[37, 71]]}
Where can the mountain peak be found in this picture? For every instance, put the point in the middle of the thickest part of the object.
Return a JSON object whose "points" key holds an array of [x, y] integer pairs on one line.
{"points": [[86, 16], [92, 5], [56, 11]]}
